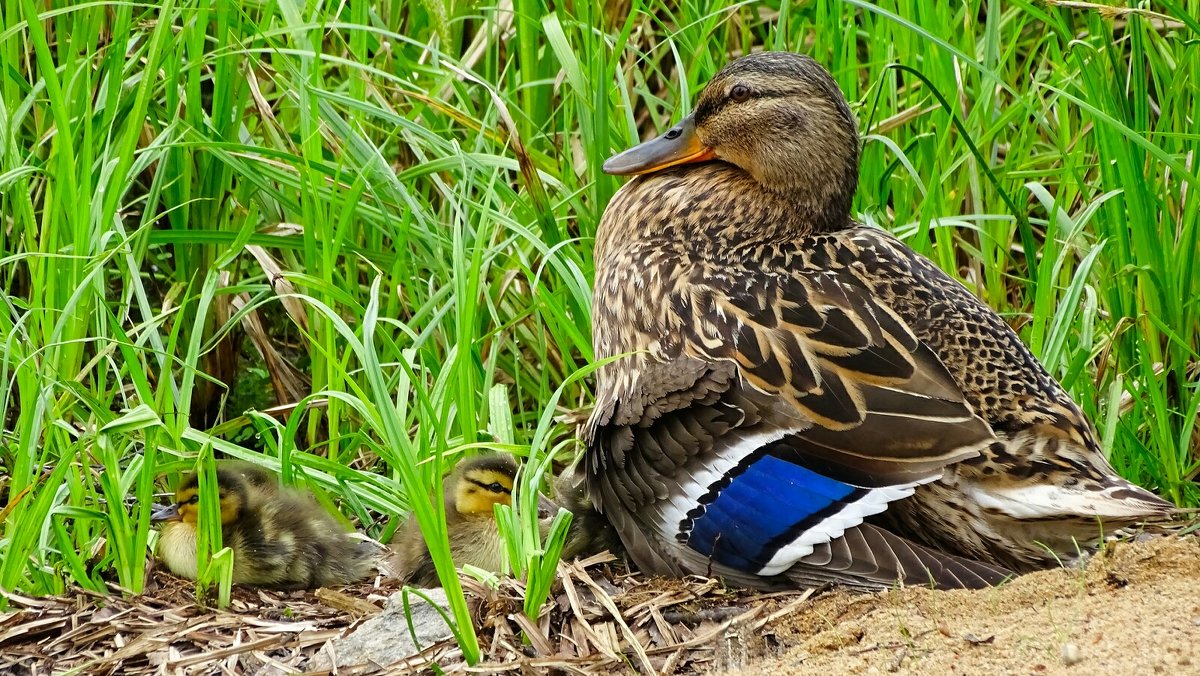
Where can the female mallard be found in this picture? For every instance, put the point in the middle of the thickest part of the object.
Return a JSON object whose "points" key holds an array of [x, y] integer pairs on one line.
{"points": [[807, 397], [280, 536]]}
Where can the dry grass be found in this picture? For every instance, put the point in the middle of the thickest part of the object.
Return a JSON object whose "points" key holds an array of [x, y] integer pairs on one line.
{"points": [[600, 619], [1135, 607]]}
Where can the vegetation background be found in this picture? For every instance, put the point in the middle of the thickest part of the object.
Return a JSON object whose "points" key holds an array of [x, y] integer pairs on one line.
{"points": [[351, 241]]}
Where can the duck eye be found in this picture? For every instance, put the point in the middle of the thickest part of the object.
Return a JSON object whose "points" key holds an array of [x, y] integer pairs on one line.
{"points": [[739, 93], [497, 487]]}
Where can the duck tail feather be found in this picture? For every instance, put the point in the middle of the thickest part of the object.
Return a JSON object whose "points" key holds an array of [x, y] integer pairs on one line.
{"points": [[870, 557]]}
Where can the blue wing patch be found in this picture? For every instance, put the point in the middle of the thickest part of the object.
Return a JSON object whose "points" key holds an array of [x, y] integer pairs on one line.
{"points": [[749, 515]]}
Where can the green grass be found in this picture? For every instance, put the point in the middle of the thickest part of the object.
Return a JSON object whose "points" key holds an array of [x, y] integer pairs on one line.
{"points": [[403, 196]]}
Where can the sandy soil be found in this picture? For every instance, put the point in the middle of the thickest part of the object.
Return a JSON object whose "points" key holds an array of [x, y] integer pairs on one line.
{"points": [[1135, 609]]}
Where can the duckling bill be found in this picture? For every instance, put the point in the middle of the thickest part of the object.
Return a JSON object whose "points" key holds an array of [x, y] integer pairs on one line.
{"points": [[280, 537]]}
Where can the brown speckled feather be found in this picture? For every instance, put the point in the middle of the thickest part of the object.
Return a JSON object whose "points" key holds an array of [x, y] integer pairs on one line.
{"points": [[288, 541]]}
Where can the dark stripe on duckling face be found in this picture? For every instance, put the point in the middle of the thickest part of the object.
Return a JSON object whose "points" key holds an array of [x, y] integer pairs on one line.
{"points": [[483, 482], [493, 487]]}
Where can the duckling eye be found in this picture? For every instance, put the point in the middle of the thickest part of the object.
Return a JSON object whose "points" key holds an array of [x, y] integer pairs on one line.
{"points": [[497, 487], [193, 500], [739, 93]]}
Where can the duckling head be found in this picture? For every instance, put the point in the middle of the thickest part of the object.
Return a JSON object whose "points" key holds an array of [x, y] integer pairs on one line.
{"points": [[234, 496], [488, 480], [482, 482], [778, 116]]}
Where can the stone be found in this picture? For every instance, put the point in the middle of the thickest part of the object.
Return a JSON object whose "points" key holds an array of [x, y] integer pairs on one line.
{"points": [[1071, 654], [385, 639]]}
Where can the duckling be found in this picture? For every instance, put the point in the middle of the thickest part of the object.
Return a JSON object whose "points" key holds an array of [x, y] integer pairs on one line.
{"points": [[470, 493], [803, 399], [590, 533], [280, 537]]}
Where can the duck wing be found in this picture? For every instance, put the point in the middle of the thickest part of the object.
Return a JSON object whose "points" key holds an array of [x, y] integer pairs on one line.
{"points": [[780, 411]]}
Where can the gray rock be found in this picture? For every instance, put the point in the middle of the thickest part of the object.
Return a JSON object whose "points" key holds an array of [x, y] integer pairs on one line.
{"points": [[385, 638]]}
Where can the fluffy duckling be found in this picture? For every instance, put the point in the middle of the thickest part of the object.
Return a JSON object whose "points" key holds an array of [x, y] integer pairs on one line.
{"points": [[261, 479], [590, 532], [280, 537], [470, 493]]}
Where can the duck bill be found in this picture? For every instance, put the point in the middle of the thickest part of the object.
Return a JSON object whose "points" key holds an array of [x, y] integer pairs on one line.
{"points": [[166, 513], [680, 145]]}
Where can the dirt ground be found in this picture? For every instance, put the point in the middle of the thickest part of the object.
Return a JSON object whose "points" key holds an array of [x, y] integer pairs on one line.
{"points": [[1135, 609]]}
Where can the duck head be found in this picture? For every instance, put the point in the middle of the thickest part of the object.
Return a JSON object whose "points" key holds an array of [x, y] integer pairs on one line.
{"points": [[233, 491], [778, 116], [488, 480]]}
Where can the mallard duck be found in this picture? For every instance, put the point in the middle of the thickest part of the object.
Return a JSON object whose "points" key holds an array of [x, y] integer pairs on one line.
{"points": [[807, 399], [280, 537]]}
